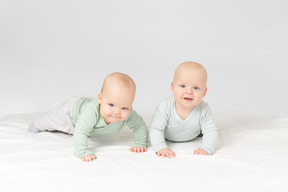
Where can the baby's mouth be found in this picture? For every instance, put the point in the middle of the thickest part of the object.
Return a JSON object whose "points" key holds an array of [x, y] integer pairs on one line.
{"points": [[188, 99], [115, 117]]}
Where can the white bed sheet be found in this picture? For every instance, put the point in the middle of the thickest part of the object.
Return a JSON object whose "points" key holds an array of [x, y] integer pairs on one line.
{"points": [[252, 155]]}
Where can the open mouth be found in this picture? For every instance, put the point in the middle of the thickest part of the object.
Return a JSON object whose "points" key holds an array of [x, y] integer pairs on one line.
{"points": [[188, 99]]}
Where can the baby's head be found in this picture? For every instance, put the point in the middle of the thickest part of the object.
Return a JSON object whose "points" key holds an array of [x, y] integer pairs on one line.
{"points": [[116, 97], [189, 85]]}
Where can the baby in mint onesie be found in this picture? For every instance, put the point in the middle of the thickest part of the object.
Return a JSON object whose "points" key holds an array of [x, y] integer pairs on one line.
{"points": [[184, 116], [88, 117]]}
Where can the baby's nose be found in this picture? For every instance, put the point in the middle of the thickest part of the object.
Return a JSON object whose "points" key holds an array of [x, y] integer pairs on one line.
{"points": [[117, 111], [189, 91]]}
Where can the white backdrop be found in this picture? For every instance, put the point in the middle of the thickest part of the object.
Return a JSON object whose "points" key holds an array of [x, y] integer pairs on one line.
{"points": [[51, 50]]}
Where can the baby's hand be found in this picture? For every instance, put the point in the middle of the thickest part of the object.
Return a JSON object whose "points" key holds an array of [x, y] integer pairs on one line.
{"points": [[138, 149], [88, 158], [167, 152], [201, 152]]}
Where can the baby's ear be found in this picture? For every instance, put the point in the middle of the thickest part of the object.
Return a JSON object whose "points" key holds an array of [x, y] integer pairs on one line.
{"points": [[205, 91], [99, 98], [172, 87]]}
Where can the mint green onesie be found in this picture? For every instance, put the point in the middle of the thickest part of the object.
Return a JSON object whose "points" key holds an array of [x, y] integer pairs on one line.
{"points": [[80, 116], [89, 122]]}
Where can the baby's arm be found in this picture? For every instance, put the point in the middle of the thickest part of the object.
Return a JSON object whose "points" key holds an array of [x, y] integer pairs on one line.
{"points": [[82, 129], [157, 129], [167, 152], [210, 133], [80, 142], [136, 123]]}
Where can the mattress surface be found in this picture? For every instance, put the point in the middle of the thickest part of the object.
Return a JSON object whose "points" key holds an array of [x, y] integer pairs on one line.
{"points": [[252, 155]]}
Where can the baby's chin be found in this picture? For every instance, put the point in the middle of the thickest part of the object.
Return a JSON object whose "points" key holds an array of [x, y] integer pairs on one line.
{"points": [[188, 104], [115, 120]]}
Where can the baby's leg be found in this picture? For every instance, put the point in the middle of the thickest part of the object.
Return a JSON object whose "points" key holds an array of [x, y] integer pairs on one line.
{"points": [[59, 119]]}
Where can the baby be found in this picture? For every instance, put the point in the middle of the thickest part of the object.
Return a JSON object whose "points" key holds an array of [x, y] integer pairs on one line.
{"points": [[184, 116], [109, 113]]}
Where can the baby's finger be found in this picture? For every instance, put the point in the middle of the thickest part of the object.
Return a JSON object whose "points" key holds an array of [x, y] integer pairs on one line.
{"points": [[94, 157], [132, 149], [163, 154], [172, 154], [137, 149], [168, 155]]}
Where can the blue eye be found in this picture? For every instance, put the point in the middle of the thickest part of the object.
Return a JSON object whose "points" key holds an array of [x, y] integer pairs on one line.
{"points": [[196, 88], [111, 105], [124, 108], [183, 86]]}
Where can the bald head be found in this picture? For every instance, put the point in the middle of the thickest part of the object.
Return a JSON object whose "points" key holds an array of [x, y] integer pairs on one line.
{"points": [[189, 66], [116, 97], [118, 79]]}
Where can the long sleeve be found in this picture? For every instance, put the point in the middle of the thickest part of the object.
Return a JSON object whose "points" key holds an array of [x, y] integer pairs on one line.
{"points": [[166, 123], [136, 123], [157, 128], [209, 130], [83, 127]]}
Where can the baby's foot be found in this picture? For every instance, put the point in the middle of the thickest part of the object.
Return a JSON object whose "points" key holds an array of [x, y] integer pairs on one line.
{"points": [[33, 129]]}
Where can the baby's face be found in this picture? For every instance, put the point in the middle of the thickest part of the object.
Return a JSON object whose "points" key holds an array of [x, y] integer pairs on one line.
{"points": [[115, 104], [188, 88]]}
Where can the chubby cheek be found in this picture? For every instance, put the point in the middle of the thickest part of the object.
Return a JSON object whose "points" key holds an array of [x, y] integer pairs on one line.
{"points": [[104, 111], [199, 98], [179, 97], [176, 94], [125, 115]]}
